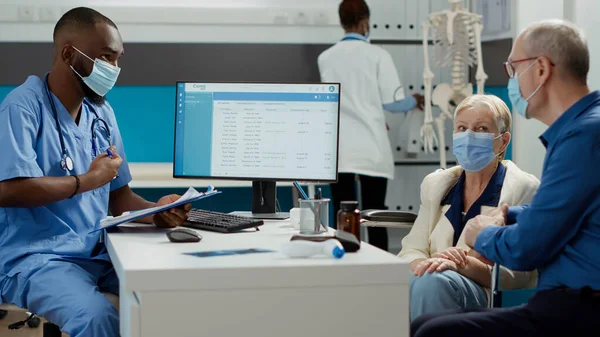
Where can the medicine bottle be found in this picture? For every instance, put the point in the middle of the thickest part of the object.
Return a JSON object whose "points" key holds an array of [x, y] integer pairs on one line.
{"points": [[348, 218]]}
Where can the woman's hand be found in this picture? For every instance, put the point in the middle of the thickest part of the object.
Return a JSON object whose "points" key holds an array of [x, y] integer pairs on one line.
{"points": [[454, 254], [436, 264]]}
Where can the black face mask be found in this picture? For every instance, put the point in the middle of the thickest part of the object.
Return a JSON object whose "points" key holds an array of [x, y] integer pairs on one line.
{"points": [[90, 95]]}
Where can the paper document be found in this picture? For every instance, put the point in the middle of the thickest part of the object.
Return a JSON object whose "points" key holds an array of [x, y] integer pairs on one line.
{"points": [[190, 195]]}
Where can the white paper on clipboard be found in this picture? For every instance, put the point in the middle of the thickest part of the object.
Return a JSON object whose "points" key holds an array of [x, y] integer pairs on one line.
{"points": [[190, 195]]}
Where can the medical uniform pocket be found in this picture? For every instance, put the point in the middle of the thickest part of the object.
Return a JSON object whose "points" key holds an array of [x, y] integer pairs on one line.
{"points": [[52, 233]]}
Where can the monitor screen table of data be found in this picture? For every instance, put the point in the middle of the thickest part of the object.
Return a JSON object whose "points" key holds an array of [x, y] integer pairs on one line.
{"points": [[255, 131]]}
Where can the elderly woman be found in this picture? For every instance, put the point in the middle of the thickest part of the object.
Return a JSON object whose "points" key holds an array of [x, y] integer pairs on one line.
{"points": [[446, 275]]}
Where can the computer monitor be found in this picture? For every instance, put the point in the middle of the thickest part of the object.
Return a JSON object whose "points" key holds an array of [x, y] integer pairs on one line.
{"points": [[263, 132]]}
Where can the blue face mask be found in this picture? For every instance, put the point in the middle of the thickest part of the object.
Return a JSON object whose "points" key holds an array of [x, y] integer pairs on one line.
{"points": [[518, 102], [474, 150], [103, 76]]}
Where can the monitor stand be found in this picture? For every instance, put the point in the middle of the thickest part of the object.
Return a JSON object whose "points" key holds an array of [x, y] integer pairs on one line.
{"points": [[264, 200]]}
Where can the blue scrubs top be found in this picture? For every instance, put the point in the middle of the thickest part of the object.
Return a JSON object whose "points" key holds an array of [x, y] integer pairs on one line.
{"points": [[30, 237]]}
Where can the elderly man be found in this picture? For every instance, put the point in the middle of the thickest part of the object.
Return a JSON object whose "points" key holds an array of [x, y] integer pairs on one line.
{"points": [[559, 232]]}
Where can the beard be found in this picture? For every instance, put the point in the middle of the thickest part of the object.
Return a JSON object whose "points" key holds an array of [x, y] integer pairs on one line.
{"points": [[89, 94]]}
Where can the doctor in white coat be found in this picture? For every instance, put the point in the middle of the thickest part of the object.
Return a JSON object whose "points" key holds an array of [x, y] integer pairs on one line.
{"points": [[370, 85]]}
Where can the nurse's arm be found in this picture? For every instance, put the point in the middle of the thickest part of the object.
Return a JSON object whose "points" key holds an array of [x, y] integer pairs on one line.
{"points": [[403, 105], [125, 200], [37, 192]]}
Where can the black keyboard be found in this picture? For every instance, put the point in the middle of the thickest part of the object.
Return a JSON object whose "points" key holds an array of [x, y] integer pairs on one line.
{"points": [[219, 222]]}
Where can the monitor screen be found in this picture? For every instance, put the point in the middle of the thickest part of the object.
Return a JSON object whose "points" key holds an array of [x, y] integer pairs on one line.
{"points": [[257, 131]]}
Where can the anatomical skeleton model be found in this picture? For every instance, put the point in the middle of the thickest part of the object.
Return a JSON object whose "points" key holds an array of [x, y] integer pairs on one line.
{"points": [[456, 43]]}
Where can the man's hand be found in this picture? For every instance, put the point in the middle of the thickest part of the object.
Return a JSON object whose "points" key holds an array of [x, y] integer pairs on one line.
{"points": [[172, 217], [499, 212], [103, 168], [477, 224], [436, 264], [454, 254], [420, 101]]}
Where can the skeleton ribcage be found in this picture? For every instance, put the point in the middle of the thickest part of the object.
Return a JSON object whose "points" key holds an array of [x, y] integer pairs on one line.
{"points": [[461, 53], [463, 46]]}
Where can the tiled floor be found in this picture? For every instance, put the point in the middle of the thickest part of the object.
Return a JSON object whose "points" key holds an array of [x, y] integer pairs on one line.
{"points": [[23, 332]]}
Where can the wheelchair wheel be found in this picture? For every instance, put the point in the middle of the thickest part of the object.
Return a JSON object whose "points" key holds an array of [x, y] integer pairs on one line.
{"points": [[34, 322], [3, 314]]}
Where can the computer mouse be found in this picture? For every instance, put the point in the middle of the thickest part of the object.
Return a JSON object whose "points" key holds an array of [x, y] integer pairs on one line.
{"points": [[180, 234]]}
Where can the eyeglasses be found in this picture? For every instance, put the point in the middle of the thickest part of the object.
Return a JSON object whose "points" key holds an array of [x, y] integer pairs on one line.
{"points": [[510, 69], [509, 66]]}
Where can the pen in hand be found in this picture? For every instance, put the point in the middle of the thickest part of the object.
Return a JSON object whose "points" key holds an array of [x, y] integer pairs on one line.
{"points": [[110, 155]]}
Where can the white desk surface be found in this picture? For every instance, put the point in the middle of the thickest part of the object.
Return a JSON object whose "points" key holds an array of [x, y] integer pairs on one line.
{"points": [[160, 175], [145, 260]]}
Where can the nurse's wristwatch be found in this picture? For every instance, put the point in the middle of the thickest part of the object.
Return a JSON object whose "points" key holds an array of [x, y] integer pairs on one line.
{"points": [[78, 183]]}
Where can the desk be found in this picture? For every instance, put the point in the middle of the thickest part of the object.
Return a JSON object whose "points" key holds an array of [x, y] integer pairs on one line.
{"points": [[165, 293]]}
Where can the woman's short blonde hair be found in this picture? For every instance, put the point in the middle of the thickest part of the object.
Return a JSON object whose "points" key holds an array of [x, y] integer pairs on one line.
{"points": [[492, 103]]}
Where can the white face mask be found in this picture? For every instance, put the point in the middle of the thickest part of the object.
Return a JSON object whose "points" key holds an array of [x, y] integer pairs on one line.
{"points": [[103, 76]]}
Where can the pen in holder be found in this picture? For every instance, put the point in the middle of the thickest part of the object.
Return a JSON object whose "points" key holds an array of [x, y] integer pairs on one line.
{"points": [[314, 216]]}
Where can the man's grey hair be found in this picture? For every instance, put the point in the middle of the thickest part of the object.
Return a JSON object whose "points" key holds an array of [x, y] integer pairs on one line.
{"points": [[563, 43]]}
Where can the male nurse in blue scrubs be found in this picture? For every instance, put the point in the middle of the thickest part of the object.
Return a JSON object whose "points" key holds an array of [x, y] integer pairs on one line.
{"points": [[63, 168]]}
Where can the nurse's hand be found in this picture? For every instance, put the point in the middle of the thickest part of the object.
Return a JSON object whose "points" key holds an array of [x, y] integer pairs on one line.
{"points": [[104, 168], [420, 101], [173, 217]]}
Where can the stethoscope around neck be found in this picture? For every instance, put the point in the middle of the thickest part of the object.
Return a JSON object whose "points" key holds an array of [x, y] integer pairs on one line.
{"points": [[66, 163]]}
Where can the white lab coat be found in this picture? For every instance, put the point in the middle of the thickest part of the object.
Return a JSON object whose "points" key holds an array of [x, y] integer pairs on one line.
{"points": [[368, 80]]}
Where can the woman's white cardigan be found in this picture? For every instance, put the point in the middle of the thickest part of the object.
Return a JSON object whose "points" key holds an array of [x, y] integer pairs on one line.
{"points": [[432, 232]]}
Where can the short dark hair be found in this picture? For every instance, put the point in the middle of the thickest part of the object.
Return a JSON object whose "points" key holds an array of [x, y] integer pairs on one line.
{"points": [[80, 18], [352, 12]]}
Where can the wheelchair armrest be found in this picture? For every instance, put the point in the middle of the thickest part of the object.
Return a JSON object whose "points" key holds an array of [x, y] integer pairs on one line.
{"points": [[388, 216]]}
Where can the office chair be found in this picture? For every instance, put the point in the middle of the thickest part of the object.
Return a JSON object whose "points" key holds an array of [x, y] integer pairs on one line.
{"points": [[388, 219], [33, 321], [506, 298], [385, 218]]}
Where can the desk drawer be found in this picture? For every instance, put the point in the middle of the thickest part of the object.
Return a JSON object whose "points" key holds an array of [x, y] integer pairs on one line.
{"points": [[130, 315], [331, 311]]}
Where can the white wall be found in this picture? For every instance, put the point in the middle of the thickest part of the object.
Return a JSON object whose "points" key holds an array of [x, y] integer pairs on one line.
{"points": [[235, 21], [228, 21], [274, 21], [585, 14]]}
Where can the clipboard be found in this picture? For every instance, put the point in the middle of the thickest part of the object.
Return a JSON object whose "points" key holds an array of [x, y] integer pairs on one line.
{"points": [[190, 195]]}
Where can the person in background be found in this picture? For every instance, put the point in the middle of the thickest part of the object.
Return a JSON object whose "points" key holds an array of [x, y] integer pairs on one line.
{"points": [[370, 85], [559, 232], [444, 275], [57, 183]]}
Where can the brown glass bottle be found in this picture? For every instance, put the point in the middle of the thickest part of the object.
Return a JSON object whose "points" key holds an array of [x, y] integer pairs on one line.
{"points": [[348, 218]]}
